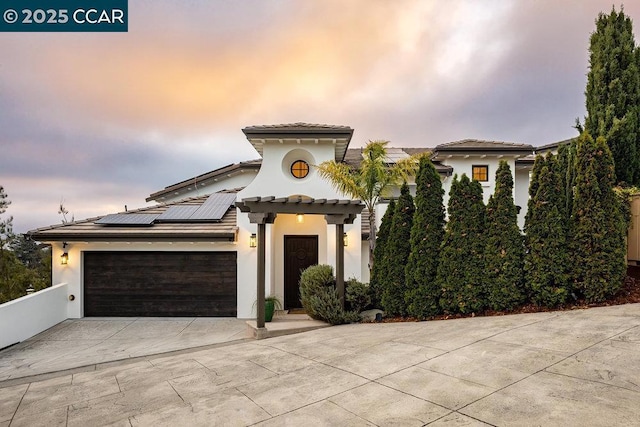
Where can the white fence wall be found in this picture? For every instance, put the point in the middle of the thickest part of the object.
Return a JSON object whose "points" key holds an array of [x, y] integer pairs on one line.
{"points": [[25, 317]]}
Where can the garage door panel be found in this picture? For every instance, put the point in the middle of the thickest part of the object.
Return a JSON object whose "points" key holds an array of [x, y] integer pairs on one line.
{"points": [[160, 283]]}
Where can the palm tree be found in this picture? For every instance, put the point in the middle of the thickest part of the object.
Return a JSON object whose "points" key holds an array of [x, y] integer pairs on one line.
{"points": [[373, 180]]}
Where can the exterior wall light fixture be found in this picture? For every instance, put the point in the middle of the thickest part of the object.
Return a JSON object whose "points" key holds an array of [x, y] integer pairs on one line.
{"points": [[252, 241], [64, 258], [299, 218], [345, 239]]}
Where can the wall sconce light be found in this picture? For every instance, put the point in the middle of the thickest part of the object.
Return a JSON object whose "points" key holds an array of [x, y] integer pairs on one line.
{"points": [[64, 258], [345, 239], [252, 241], [299, 218]]}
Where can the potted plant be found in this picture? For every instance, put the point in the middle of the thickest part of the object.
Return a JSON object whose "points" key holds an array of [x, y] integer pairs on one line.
{"points": [[271, 304]]}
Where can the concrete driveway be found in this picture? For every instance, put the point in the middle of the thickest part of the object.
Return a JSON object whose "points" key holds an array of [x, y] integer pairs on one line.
{"points": [[81, 344], [565, 368]]}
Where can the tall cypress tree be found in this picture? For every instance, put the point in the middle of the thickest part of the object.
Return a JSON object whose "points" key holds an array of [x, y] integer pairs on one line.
{"points": [[599, 229], [423, 295], [398, 249], [547, 259], [461, 268], [505, 247], [379, 271], [566, 164], [613, 92]]}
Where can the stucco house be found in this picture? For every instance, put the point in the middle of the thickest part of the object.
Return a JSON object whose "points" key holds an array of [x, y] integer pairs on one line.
{"points": [[212, 242]]}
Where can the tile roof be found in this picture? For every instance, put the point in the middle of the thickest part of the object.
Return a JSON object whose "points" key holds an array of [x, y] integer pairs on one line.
{"points": [[299, 126], [553, 145], [480, 145], [353, 157], [90, 230]]}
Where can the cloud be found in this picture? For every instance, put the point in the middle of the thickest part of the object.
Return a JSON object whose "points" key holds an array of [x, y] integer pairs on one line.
{"points": [[111, 118]]}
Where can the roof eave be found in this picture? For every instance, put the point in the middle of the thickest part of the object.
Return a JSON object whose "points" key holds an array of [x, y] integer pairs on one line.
{"points": [[254, 136], [228, 236], [238, 167], [484, 149]]}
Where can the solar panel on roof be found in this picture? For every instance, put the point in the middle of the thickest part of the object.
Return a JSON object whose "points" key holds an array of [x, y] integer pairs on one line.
{"points": [[214, 207], [178, 213], [128, 219], [394, 155]]}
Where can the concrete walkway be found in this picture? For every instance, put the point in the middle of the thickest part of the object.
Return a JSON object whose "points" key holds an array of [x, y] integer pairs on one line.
{"points": [[565, 368]]}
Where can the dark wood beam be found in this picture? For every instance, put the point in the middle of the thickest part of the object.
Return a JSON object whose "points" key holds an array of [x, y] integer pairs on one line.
{"points": [[261, 275], [340, 262]]}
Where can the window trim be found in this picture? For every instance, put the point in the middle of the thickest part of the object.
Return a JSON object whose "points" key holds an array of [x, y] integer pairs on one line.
{"points": [[473, 172], [304, 171]]}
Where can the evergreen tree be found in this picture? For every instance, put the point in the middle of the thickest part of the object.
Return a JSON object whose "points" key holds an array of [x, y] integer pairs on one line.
{"points": [[379, 270], [461, 268], [6, 257], [599, 230], [539, 163], [26, 250], [505, 247], [423, 295], [566, 167], [547, 259], [398, 248], [613, 92]]}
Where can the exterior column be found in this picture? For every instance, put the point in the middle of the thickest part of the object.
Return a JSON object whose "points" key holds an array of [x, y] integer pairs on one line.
{"points": [[340, 262], [261, 273]]}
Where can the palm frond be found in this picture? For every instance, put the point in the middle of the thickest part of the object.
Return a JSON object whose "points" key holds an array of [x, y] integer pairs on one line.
{"points": [[342, 177]]}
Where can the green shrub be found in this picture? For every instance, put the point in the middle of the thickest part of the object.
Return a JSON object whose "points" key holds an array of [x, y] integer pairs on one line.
{"points": [[358, 295], [461, 268], [320, 298], [599, 228], [379, 270], [547, 258], [504, 251], [398, 249], [422, 294]]}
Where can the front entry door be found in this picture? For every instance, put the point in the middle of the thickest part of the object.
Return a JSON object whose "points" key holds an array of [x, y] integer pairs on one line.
{"points": [[300, 252]]}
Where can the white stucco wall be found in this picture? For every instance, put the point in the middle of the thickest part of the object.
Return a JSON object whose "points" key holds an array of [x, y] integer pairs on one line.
{"points": [[236, 180], [520, 175], [29, 315], [462, 165], [521, 187], [275, 179]]}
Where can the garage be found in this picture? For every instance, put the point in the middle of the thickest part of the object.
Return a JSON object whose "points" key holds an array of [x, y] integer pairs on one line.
{"points": [[132, 284]]}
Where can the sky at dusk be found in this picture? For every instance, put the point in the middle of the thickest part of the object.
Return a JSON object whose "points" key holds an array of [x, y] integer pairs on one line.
{"points": [[101, 120]]}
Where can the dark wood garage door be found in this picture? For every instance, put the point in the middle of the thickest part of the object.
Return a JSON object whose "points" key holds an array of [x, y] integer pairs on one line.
{"points": [[160, 284]]}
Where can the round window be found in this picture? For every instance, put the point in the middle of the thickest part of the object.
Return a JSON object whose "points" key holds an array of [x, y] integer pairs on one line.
{"points": [[300, 169]]}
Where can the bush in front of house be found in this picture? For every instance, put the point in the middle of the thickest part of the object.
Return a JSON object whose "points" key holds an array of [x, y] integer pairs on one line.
{"points": [[461, 269], [357, 295], [547, 260], [422, 294], [379, 270], [504, 251], [320, 298], [398, 249], [598, 245]]}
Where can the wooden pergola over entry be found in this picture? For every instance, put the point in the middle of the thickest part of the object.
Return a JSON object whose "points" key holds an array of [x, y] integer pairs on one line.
{"points": [[264, 210]]}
